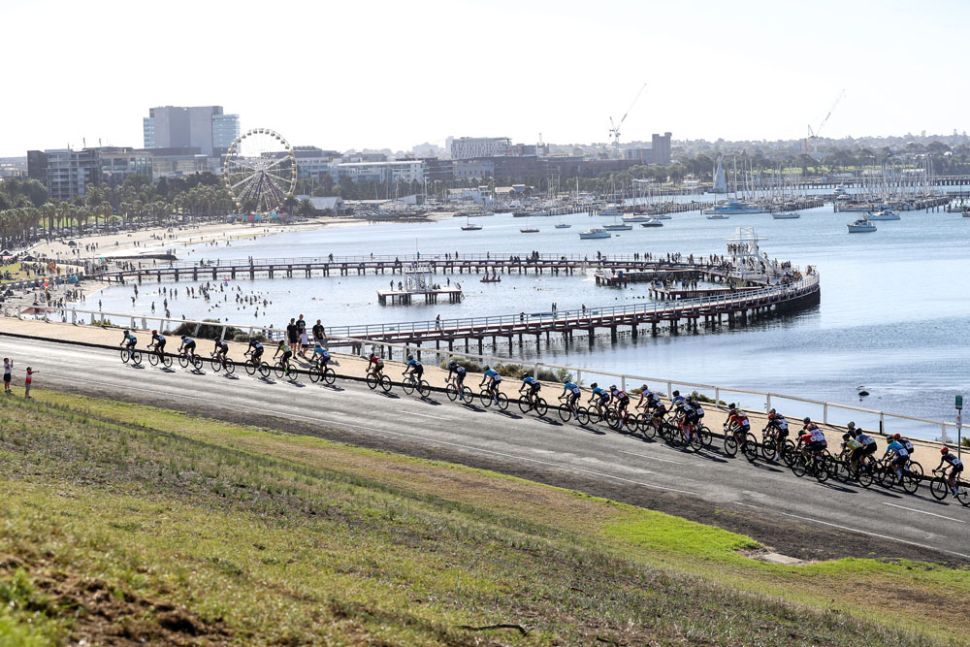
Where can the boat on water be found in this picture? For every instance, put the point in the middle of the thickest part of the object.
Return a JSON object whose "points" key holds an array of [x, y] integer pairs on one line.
{"points": [[786, 215], [529, 230], [733, 207], [861, 226], [611, 210], [636, 217], [563, 225], [884, 214], [651, 223], [594, 233], [469, 225], [717, 216], [662, 216], [618, 226]]}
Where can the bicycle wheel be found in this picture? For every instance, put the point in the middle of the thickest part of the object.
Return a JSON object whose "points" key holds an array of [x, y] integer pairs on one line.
{"points": [[799, 465], [963, 495], [264, 370], [910, 483], [821, 468], [466, 395], [788, 452], [613, 420], [167, 361], [565, 413], [196, 363], [916, 470], [153, 359], [408, 385], [230, 366], [541, 407], [705, 436], [372, 381], [502, 400], [769, 446], [424, 389], [183, 361], [125, 355], [278, 371], [864, 476], [696, 440], [315, 374], [251, 367], [525, 404], [646, 429], [750, 448], [730, 445], [939, 488], [386, 384], [451, 391], [582, 416], [216, 364]]}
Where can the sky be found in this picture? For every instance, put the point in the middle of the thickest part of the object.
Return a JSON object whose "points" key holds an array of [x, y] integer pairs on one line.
{"points": [[376, 74]]}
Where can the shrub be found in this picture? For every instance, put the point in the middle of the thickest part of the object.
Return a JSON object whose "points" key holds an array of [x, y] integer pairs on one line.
{"points": [[207, 331], [470, 365], [241, 336]]}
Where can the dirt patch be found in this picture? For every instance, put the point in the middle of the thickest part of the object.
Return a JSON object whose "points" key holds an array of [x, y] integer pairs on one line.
{"points": [[106, 614]]}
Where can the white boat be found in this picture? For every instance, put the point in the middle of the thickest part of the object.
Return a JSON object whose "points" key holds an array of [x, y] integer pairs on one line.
{"points": [[593, 233], [618, 226], [885, 214], [638, 217], [469, 225], [611, 210], [651, 223], [529, 230], [663, 216], [861, 226], [563, 225], [717, 216], [786, 215]]}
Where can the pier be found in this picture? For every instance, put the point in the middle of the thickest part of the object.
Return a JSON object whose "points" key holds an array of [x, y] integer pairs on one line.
{"points": [[405, 297]]}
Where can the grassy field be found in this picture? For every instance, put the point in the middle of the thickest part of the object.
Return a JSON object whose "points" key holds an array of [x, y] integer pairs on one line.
{"points": [[129, 524], [11, 272]]}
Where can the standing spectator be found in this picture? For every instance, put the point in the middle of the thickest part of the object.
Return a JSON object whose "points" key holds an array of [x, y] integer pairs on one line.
{"points": [[301, 332], [292, 334], [318, 332], [7, 374], [27, 382]]}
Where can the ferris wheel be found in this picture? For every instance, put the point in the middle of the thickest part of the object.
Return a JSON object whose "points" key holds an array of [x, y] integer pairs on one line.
{"points": [[260, 171]]}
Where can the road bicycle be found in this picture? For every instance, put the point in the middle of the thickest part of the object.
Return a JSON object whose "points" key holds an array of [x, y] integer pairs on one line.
{"points": [[320, 372], [254, 366], [454, 392], [735, 439], [131, 354], [818, 464], [940, 488], [157, 356], [220, 362], [487, 397], [773, 444], [411, 384], [285, 370], [193, 360], [567, 411], [533, 402], [376, 379], [888, 478]]}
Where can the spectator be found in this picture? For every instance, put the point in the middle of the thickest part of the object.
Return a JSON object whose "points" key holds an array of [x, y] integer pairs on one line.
{"points": [[318, 332], [292, 335], [27, 382], [7, 374]]}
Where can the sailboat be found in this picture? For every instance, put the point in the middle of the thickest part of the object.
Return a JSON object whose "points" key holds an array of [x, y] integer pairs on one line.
{"points": [[469, 225]]}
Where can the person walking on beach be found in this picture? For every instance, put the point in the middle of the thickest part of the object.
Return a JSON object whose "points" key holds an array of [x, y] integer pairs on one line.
{"points": [[28, 380], [7, 374]]}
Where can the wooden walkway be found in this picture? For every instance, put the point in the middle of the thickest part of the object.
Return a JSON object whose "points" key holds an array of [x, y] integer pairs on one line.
{"points": [[735, 308], [406, 298]]}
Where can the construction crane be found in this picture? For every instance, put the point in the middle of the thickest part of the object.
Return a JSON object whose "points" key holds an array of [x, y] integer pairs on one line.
{"points": [[615, 125], [811, 142]]}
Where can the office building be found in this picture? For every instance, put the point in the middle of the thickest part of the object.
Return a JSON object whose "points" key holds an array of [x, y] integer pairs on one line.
{"points": [[469, 147], [381, 172], [657, 153], [66, 173], [204, 127]]}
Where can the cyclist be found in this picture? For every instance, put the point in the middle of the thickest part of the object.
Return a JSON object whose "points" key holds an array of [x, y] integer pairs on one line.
{"points": [[321, 355], [493, 378], [621, 400], [157, 344], [849, 444], [221, 350], [129, 341], [693, 412], [954, 466], [812, 437], [414, 367], [780, 424], [188, 346], [530, 387], [677, 401], [738, 421], [375, 365], [899, 453], [907, 443], [458, 371], [256, 350], [867, 446], [648, 399], [601, 397], [572, 389], [287, 353]]}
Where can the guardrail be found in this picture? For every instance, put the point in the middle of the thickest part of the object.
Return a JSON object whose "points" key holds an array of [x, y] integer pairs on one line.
{"points": [[830, 413]]}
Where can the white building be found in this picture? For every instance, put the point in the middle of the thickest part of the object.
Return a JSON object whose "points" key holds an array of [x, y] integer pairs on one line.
{"points": [[384, 172]]}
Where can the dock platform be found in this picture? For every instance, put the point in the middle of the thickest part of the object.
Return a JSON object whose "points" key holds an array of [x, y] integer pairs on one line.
{"points": [[406, 297]]}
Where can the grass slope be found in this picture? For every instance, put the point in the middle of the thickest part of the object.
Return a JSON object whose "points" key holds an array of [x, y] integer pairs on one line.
{"points": [[130, 524]]}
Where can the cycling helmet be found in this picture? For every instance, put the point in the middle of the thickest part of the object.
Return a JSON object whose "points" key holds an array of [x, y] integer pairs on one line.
{"points": [[944, 450], [410, 356], [154, 332], [850, 426], [676, 393], [846, 436], [566, 381], [593, 385], [612, 387], [732, 406], [645, 387], [896, 436], [807, 420]]}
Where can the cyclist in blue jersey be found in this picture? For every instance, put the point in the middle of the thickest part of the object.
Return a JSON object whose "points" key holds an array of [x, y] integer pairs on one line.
{"points": [[129, 341], [600, 397], [458, 371], [255, 349], [572, 389], [221, 350], [188, 346], [321, 355], [414, 367], [900, 455], [493, 378], [157, 343], [530, 387], [953, 469]]}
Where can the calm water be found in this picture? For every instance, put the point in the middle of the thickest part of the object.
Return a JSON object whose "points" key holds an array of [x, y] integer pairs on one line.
{"points": [[894, 312]]}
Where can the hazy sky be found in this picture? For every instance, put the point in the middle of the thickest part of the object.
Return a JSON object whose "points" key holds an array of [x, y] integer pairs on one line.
{"points": [[373, 74]]}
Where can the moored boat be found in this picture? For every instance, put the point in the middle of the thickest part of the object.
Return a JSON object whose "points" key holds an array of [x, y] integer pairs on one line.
{"points": [[861, 226], [786, 215], [594, 233], [652, 222], [884, 214]]}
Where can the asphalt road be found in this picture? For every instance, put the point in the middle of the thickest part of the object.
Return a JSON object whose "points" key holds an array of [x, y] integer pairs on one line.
{"points": [[797, 517]]}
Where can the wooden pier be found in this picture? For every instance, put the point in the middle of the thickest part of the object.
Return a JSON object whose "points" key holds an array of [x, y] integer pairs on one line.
{"points": [[668, 294], [406, 297]]}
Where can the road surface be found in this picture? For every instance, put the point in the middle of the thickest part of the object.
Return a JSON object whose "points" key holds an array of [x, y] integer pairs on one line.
{"points": [[797, 517]]}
